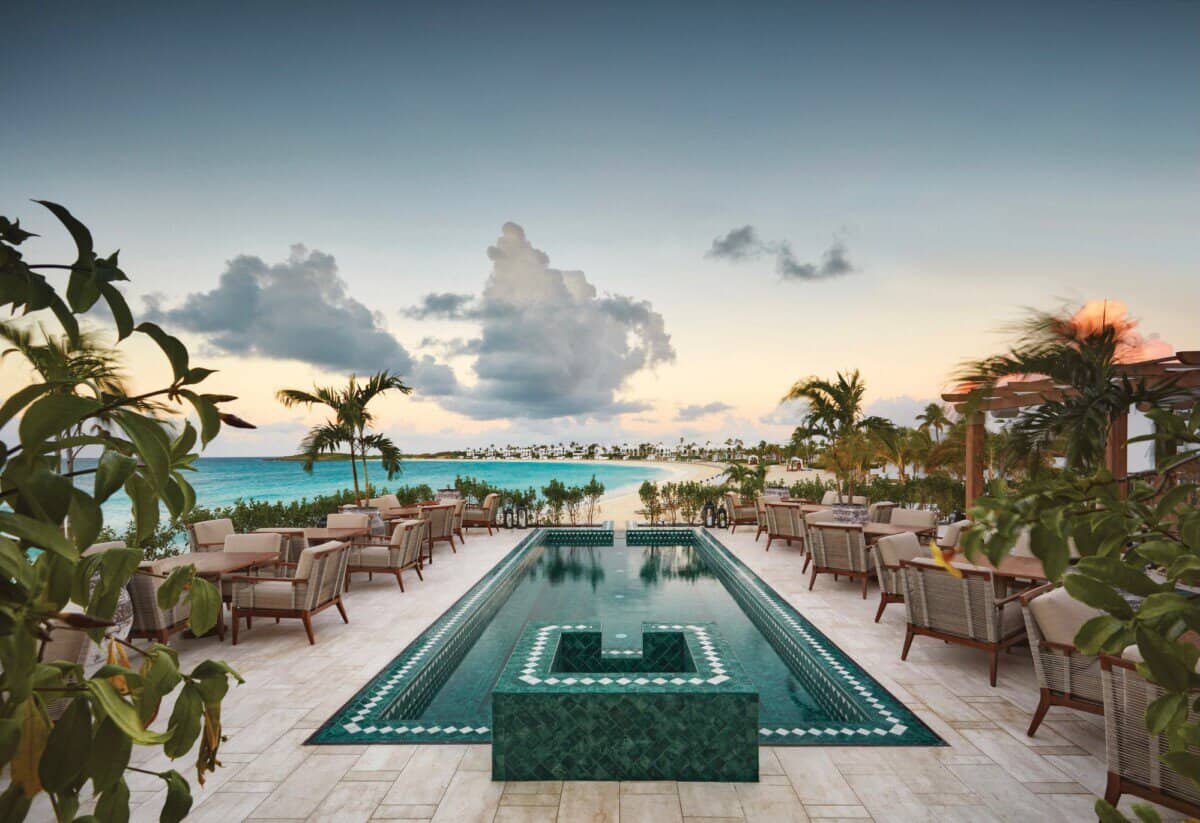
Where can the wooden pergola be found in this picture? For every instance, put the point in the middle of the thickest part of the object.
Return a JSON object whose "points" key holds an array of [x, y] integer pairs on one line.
{"points": [[1181, 370]]}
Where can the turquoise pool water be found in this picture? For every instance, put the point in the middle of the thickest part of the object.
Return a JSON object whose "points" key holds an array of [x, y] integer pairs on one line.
{"points": [[439, 689], [220, 481]]}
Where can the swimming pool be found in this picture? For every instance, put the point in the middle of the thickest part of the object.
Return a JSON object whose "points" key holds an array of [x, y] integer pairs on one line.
{"points": [[438, 690]]}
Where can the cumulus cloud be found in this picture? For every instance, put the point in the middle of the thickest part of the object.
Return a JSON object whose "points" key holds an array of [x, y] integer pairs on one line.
{"points": [[744, 244], [697, 410], [550, 345], [298, 309]]}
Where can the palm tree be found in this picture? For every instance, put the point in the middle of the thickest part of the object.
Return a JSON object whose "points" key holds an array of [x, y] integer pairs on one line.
{"points": [[835, 407], [378, 384], [1082, 356], [351, 420], [934, 417], [83, 366]]}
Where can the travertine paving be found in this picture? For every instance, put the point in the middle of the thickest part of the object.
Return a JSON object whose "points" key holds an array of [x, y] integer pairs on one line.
{"points": [[990, 771]]}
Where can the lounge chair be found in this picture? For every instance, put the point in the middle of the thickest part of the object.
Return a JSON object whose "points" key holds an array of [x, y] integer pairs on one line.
{"points": [[889, 552], [962, 610], [482, 516], [148, 619], [841, 550], [1132, 751], [951, 537], [402, 552], [784, 522], [456, 520], [253, 542], [1066, 676], [739, 513], [440, 517], [807, 521], [880, 511], [918, 518], [384, 503], [760, 512], [209, 535], [315, 583]]}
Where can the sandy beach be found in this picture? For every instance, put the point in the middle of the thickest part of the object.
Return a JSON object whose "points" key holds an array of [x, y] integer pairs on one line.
{"points": [[622, 507]]}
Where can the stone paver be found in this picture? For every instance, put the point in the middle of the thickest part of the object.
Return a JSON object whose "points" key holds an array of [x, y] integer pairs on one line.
{"points": [[990, 771]]}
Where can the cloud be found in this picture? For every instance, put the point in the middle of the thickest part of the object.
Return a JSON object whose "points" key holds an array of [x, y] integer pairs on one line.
{"points": [[433, 379], [834, 263], [902, 410], [736, 244], [440, 305], [697, 410], [549, 344], [298, 309], [744, 244], [787, 413], [452, 347]]}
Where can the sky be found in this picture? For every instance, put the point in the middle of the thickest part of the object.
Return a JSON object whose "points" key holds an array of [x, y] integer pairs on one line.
{"points": [[607, 222]]}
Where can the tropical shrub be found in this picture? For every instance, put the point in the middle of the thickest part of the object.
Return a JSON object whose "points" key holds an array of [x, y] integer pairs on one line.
{"points": [[48, 515]]}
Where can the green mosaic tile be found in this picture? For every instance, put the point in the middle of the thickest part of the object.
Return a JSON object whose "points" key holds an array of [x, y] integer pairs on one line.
{"points": [[630, 723]]}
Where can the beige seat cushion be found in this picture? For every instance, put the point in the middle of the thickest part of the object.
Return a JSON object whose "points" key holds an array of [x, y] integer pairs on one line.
{"points": [[1023, 547], [212, 532], [256, 542], [827, 516], [829, 498], [894, 548], [305, 563], [385, 502], [952, 535], [913, 517], [1059, 616], [348, 520], [270, 594], [375, 557], [100, 548], [1011, 620]]}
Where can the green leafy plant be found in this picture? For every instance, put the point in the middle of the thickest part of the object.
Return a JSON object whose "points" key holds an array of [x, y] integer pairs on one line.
{"points": [[61, 729], [592, 493], [651, 501], [556, 500]]}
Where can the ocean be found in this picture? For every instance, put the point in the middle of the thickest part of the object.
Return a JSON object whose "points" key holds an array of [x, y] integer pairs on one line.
{"points": [[219, 481]]}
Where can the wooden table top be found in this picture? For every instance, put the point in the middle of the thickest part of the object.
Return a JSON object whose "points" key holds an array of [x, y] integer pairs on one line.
{"points": [[339, 533], [807, 508], [1025, 568], [214, 564], [877, 530]]}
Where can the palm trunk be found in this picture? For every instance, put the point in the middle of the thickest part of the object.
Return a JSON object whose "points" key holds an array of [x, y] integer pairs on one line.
{"points": [[354, 472], [363, 453]]}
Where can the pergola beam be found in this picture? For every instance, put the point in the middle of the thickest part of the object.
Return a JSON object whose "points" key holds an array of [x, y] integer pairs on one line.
{"points": [[1181, 370]]}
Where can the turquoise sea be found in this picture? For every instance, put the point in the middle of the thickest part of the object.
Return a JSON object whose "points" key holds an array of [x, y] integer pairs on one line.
{"points": [[220, 481]]}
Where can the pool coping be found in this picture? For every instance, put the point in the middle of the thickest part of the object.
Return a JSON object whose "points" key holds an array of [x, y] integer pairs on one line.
{"points": [[356, 721]]}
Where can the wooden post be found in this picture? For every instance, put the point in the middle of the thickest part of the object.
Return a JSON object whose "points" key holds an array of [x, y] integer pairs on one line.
{"points": [[1116, 451], [975, 458]]}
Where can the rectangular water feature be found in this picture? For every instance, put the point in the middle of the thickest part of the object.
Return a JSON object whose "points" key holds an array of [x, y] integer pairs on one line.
{"points": [[439, 689], [682, 709]]}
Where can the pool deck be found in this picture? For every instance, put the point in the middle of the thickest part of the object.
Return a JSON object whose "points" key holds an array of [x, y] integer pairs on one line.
{"points": [[990, 770]]}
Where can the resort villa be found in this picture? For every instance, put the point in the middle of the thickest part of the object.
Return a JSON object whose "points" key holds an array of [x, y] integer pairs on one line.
{"points": [[600, 413]]}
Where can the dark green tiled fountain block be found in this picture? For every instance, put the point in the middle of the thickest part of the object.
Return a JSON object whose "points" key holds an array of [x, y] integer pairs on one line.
{"points": [[680, 709]]}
